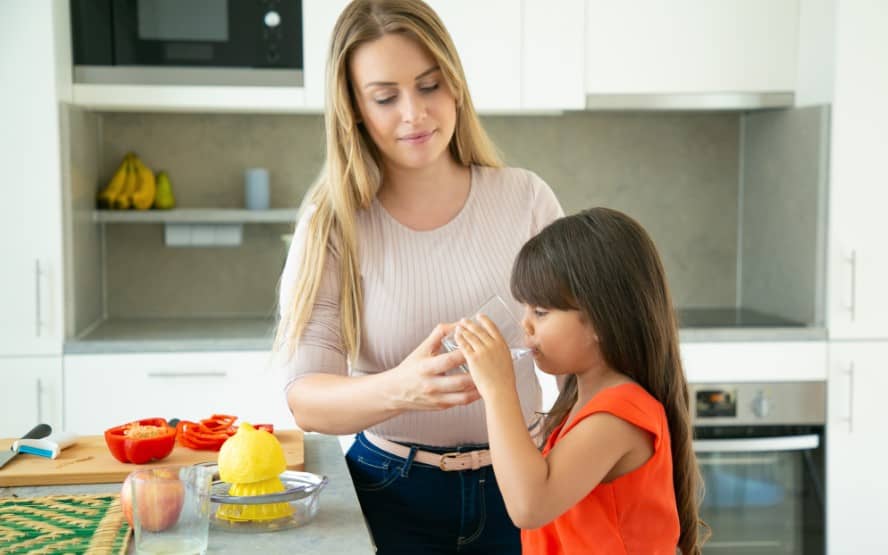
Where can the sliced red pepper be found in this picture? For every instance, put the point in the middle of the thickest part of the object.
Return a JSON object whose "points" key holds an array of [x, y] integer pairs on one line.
{"points": [[127, 443], [196, 435], [267, 427]]}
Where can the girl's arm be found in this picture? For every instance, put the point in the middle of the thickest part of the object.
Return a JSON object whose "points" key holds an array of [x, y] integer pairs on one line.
{"points": [[334, 404], [537, 489]]}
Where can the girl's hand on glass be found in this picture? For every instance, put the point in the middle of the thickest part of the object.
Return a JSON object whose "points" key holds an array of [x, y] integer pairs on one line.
{"points": [[422, 380], [487, 354]]}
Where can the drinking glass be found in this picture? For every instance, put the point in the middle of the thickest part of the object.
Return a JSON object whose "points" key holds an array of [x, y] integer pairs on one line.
{"points": [[171, 509], [510, 328]]}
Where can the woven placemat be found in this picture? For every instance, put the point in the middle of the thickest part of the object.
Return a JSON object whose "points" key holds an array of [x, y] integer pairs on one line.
{"points": [[57, 524]]}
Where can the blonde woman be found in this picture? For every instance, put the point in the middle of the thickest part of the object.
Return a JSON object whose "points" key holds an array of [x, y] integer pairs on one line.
{"points": [[412, 222]]}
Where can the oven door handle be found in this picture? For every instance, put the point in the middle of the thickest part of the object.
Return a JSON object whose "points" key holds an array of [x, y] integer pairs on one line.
{"points": [[757, 445]]}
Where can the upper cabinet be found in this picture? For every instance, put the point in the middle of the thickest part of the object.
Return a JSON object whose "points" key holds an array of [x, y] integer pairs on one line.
{"points": [[552, 55], [30, 155], [488, 38], [857, 265], [691, 46], [319, 17], [539, 56]]}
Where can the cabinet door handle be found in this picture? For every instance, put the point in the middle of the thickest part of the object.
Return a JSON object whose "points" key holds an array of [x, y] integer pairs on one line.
{"points": [[852, 304], [39, 400], [175, 375], [38, 273], [850, 418]]}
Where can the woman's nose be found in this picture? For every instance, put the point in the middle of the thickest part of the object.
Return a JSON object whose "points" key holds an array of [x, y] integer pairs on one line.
{"points": [[414, 109]]}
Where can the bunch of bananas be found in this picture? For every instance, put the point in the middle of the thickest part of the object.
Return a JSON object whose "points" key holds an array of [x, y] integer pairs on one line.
{"points": [[132, 186]]}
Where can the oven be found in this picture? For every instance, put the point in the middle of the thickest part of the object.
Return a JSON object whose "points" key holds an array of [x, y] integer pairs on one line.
{"points": [[760, 447], [188, 42]]}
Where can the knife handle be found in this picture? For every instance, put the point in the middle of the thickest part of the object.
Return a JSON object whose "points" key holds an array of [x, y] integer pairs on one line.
{"points": [[38, 431]]}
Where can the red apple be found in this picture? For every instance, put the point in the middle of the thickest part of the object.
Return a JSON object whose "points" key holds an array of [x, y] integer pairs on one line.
{"points": [[159, 499]]}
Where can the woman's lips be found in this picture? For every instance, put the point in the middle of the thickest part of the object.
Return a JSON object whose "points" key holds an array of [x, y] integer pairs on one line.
{"points": [[417, 138]]}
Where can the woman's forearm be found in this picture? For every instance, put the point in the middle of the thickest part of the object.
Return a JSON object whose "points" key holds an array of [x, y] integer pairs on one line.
{"points": [[342, 405]]}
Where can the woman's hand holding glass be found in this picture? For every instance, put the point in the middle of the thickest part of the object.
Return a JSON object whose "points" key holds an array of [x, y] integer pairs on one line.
{"points": [[487, 353], [422, 379]]}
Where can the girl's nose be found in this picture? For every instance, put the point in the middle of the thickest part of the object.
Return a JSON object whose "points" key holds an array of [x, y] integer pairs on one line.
{"points": [[527, 325]]}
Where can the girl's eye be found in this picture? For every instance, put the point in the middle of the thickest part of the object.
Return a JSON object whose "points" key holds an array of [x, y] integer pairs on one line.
{"points": [[386, 100], [539, 312], [429, 88]]}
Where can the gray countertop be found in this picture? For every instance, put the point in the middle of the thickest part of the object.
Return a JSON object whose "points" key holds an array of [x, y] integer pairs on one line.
{"points": [[152, 335], [338, 528]]}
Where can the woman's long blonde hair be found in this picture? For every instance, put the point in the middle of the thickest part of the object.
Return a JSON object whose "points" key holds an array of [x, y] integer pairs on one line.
{"points": [[352, 172]]}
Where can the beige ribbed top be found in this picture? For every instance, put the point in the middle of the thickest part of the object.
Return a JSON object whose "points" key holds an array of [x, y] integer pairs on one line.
{"points": [[413, 280]]}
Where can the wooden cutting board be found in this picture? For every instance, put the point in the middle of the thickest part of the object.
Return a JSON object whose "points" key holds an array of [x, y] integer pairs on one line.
{"points": [[89, 462]]}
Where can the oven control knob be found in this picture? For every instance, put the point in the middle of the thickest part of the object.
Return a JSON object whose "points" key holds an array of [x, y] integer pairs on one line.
{"points": [[272, 19], [761, 405]]}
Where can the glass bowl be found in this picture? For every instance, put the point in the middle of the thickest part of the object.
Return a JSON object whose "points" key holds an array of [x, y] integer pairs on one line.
{"points": [[299, 500]]}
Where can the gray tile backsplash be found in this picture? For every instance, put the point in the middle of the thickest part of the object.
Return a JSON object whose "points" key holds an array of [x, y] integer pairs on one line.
{"points": [[677, 173], [783, 212]]}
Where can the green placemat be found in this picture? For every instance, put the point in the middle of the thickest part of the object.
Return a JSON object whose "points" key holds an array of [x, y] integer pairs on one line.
{"points": [[59, 524]]}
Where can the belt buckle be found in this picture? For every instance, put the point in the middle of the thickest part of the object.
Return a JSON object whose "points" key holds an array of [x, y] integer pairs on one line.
{"points": [[445, 457]]}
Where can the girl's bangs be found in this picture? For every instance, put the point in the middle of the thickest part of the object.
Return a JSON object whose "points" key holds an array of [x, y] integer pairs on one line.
{"points": [[537, 281]]}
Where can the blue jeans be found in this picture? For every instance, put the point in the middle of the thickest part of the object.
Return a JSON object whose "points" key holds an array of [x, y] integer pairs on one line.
{"points": [[413, 508]]}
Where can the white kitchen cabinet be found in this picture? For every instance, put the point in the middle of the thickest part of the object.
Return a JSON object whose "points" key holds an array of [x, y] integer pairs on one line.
{"points": [[105, 390], [319, 17], [488, 38], [32, 393], [857, 493], [552, 69], [30, 157], [857, 266], [691, 46]]}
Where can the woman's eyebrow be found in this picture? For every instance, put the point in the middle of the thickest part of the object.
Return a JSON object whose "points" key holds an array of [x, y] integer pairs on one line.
{"points": [[392, 83]]}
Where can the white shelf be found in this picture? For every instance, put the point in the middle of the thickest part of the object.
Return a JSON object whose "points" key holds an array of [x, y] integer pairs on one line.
{"points": [[197, 216]]}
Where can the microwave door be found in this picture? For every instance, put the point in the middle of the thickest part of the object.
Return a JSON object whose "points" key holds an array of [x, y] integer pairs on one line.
{"points": [[215, 33]]}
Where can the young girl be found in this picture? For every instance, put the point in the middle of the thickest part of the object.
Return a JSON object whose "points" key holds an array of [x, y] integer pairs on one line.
{"points": [[617, 473]]}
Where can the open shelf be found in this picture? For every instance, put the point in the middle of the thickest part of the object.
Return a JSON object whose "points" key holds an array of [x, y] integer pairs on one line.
{"points": [[197, 216]]}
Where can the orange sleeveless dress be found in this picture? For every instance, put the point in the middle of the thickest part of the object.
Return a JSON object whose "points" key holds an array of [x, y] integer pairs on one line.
{"points": [[634, 514]]}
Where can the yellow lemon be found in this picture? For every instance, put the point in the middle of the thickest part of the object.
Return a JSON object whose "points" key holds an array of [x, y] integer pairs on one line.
{"points": [[251, 455]]}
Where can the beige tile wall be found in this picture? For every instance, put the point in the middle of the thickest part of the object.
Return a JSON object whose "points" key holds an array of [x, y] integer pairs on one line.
{"points": [[84, 276], [676, 173]]}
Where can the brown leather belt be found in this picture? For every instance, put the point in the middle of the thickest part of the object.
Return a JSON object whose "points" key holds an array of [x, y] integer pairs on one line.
{"points": [[448, 462]]}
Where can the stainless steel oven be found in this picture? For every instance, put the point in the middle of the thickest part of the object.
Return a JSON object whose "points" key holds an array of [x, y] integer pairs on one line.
{"points": [[188, 42], [761, 447]]}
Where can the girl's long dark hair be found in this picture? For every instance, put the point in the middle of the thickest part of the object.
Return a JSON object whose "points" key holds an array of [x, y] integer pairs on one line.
{"points": [[603, 263]]}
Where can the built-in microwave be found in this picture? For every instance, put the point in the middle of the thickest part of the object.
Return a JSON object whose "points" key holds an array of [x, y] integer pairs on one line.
{"points": [[188, 42]]}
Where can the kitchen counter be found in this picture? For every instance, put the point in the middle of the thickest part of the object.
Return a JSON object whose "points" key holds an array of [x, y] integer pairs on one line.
{"points": [[170, 335], [338, 528]]}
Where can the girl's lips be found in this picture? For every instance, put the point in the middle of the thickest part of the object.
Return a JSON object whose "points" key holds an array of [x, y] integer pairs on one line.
{"points": [[417, 138]]}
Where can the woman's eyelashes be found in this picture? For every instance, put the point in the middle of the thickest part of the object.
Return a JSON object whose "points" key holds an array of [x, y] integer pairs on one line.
{"points": [[390, 98], [539, 312]]}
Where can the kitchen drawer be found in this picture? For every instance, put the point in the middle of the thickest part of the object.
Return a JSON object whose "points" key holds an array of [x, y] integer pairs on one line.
{"points": [[754, 361], [104, 390]]}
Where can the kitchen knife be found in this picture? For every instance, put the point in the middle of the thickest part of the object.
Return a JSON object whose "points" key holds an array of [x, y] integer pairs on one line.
{"points": [[37, 432]]}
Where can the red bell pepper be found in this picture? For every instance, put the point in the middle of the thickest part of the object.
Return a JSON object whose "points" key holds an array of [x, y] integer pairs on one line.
{"points": [[267, 427], [197, 435], [142, 441]]}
